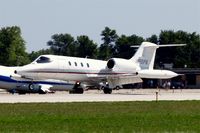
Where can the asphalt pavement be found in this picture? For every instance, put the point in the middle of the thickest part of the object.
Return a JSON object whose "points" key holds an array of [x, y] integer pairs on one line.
{"points": [[99, 96]]}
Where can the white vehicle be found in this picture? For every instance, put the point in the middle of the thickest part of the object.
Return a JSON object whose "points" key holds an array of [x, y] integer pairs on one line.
{"points": [[13, 83], [112, 73]]}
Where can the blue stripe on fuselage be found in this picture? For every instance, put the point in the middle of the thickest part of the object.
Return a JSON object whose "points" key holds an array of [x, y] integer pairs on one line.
{"points": [[10, 80]]}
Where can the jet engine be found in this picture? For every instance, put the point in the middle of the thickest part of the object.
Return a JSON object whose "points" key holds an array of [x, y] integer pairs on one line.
{"points": [[120, 64]]}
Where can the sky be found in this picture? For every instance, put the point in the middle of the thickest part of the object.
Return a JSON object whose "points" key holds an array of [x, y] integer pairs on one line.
{"points": [[40, 19]]}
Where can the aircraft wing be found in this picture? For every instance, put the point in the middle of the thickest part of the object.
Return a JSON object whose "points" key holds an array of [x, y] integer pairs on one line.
{"points": [[114, 81]]}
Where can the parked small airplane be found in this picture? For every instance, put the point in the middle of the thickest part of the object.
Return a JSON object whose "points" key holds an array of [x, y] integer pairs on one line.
{"points": [[13, 83], [111, 73]]}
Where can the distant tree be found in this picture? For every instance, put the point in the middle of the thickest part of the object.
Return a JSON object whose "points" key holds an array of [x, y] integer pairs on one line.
{"points": [[62, 44], [33, 55], [109, 38], [179, 56], [85, 47], [123, 46], [153, 39], [166, 54], [188, 55], [12, 47]]}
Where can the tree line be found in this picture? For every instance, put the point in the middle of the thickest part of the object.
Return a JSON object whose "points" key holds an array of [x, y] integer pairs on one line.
{"points": [[13, 50]]}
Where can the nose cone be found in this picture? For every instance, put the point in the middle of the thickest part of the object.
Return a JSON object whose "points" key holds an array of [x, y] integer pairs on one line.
{"points": [[27, 71], [21, 71]]}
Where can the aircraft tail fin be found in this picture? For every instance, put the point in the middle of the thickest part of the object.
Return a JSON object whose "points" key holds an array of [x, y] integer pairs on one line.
{"points": [[145, 55]]}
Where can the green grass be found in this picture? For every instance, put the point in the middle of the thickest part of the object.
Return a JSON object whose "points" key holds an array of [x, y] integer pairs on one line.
{"points": [[115, 117]]}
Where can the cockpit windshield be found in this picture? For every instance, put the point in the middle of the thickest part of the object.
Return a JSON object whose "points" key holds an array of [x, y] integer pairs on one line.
{"points": [[43, 59]]}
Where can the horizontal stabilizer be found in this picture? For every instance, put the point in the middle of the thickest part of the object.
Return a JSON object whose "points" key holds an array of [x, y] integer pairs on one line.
{"points": [[162, 45], [171, 45]]}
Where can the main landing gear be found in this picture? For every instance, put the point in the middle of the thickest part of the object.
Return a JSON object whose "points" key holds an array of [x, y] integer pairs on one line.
{"points": [[106, 90], [77, 89]]}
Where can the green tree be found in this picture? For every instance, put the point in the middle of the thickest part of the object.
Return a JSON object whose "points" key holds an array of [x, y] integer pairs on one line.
{"points": [[124, 43], [179, 56], [109, 38], [166, 54], [189, 54], [153, 39], [12, 47], [62, 44], [33, 55], [85, 47]]}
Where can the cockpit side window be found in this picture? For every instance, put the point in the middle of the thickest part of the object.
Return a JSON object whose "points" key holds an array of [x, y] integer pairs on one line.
{"points": [[43, 59]]}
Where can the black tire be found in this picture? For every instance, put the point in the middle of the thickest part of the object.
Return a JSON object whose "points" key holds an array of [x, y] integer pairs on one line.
{"points": [[80, 91], [107, 90], [77, 91], [21, 92]]}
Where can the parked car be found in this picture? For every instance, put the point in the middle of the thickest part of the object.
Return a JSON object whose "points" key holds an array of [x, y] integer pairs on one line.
{"points": [[177, 85]]}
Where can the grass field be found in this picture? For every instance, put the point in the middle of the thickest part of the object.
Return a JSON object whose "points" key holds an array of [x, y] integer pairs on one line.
{"points": [[115, 117]]}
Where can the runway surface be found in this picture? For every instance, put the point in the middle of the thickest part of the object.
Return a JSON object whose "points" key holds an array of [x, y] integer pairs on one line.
{"points": [[98, 96]]}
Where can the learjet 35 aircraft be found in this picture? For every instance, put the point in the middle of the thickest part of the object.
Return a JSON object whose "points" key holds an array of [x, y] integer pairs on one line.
{"points": [[106, 74]]}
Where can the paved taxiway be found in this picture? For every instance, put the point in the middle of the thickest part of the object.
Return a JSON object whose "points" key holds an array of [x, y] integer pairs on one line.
{"points": [[97, 96]]}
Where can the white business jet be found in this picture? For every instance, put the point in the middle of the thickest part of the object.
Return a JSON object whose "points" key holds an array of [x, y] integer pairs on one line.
{"points": [[111, 73], [13, 83]]}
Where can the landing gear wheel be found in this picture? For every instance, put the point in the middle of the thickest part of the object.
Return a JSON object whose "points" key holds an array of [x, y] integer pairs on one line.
{"points": [[77, 91], [107, 90], [21, 92]]}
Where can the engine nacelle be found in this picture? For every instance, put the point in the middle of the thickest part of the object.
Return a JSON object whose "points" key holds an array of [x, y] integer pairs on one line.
{"points": [[118, 64]]}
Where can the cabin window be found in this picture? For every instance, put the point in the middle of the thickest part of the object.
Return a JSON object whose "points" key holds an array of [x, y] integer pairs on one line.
{"points": [[43, 59], [88, 65], [69, 63], [81, 64], [75, 63]]}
